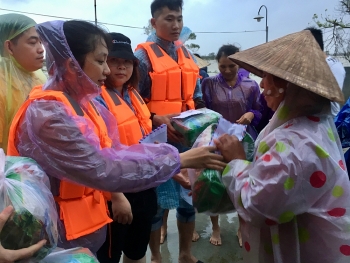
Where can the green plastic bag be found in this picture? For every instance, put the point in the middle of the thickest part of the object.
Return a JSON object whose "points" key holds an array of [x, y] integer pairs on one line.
{"points": [[209, 194]]}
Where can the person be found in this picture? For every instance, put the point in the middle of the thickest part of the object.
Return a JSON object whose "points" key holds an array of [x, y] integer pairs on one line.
{"points": [[133, 212], [76, 141], [342, 123], [169, 84], [203, 67], [266, 114], [21, 60], [293, 198], [334, 64], [7, 255], [233, 95], [236, 98]]}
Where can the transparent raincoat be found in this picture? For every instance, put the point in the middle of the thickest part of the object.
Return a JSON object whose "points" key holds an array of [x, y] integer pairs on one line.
{"points": [[15, 82], [294, 196], [50, 134]]}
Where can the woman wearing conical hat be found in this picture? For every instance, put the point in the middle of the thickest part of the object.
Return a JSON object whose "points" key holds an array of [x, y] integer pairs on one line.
{"points": [[294, 197]]}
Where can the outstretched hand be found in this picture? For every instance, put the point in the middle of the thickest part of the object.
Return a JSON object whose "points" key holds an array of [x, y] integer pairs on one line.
{"points": [[230, 147], [202, 157], [182, 179], [173, 135], [246, 118], [9, 256]]}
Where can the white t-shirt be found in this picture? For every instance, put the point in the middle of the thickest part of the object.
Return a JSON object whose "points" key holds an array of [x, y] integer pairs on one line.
{"points": [[339, 73]]}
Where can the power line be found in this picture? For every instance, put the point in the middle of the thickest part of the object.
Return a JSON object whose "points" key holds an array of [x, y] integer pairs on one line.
{"points": [[228, 32], [68, 18], [135, 27]]}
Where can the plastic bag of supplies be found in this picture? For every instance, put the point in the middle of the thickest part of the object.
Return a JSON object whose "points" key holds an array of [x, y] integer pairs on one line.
{"points": [[209, 194], [26, 187], [193, 122], [74, 255]]}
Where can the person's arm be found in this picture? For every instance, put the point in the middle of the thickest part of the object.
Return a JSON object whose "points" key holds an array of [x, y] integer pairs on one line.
{"points": [[256, 107], [198, 96], [145, 82], [206, 87], [284, 181], [53, 139], [7, 255]]}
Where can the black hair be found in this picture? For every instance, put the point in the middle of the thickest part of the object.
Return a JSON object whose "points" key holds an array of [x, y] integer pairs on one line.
{"points": [[197, 55], [226, 50], [318, 35], [16, 38], [82, 38], [173, 5]]}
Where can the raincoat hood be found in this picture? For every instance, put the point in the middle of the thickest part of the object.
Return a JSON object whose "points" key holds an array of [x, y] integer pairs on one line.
{"points": [[73, 81], [11, 25], [15, 82]]}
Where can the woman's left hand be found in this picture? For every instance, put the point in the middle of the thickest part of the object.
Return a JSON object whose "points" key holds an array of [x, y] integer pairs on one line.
{"points": [[246, 118], [230, 147]]}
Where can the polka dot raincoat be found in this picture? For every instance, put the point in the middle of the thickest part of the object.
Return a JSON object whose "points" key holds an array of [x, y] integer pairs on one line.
{"points": [[294, 198]]}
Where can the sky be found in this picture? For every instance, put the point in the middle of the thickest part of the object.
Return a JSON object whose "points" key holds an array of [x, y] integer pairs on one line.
{"points": [[284, 17]]}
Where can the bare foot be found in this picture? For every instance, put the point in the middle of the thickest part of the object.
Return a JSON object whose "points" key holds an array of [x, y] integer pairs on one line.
{"points": [[156, 258], [195, 236], [215, 238], [239, 236], [163, 233]]}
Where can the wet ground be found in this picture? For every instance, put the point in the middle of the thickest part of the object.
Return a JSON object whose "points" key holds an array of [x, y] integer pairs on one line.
{"points": [[229, 251]]}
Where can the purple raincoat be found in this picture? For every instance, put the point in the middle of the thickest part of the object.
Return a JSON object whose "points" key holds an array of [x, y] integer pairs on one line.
{"points": [[49, 134], [233, 102]]}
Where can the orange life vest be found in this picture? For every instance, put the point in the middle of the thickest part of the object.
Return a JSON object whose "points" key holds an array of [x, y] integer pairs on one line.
{"points": [[82, 209], [173, 83], [129, 122]]}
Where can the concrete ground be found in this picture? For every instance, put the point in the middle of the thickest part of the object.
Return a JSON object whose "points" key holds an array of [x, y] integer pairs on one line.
{"points": [[229, 252]]}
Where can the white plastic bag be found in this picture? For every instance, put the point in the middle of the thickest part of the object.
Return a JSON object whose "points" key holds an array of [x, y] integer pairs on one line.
{"points": [[26, 187]]}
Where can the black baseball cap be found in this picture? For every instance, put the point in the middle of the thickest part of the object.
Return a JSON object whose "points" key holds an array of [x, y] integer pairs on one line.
{"points": [[121, 47]]}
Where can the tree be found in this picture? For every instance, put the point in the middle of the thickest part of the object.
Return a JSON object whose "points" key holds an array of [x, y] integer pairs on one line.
{"points": [[210, 56], [337, 29], [193, 47], [148, 29]]}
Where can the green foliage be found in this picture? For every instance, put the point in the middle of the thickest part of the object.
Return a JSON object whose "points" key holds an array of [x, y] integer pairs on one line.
{"points": [[210, 56], [193, 47], [192, 36], [336, 26], [148, 29]]}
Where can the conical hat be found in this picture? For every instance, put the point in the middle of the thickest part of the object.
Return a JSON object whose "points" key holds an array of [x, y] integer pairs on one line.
{"points": [[296, 58], [201, 63]]}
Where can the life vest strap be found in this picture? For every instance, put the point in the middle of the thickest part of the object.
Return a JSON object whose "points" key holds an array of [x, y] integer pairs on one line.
{"points": [[78, 110], [156, 50], [114, 97]]}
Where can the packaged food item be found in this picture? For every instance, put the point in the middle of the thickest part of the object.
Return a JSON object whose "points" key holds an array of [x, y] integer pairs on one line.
{"points": [[209, 194], [25, 186], [192, 123], [74, 255]]}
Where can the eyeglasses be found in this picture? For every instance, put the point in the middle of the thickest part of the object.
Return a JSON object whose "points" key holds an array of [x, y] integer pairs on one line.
{"points": [[115, 62]]}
